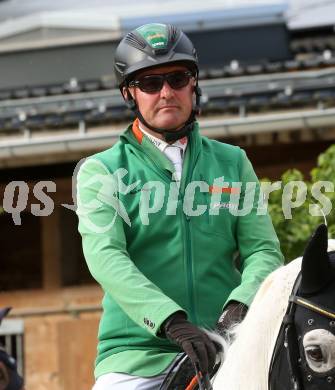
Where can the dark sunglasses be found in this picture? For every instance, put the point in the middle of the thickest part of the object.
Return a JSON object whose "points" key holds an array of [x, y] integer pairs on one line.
{"points": [[154, 82]]}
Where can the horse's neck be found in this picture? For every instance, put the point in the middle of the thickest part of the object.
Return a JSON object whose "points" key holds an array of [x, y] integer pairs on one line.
{"points": [[246, 370], [331, 245], [247, 360]]}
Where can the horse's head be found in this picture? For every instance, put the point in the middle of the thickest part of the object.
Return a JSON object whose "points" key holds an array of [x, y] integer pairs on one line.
{"points": [[305, 353]]}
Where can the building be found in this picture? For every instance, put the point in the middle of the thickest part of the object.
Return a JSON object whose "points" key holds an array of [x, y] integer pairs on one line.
{"points": [[269, 88]]}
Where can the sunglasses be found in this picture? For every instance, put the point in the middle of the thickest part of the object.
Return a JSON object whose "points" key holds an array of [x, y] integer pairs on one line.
{"points": [[154, 83]]}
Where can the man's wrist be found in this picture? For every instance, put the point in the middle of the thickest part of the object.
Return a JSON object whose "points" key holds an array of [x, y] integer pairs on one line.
{"points": [[177, 316], [232, 314]]}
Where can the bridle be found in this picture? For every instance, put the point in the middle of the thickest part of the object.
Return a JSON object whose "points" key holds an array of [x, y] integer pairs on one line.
{"points": [[298, 370]]}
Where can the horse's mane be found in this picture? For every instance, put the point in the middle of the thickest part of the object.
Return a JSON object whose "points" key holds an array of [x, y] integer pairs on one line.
{"points": [[247, 359]]}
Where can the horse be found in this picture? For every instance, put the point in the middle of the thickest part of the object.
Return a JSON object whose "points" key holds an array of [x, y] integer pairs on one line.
{"points": [[287, 339]]}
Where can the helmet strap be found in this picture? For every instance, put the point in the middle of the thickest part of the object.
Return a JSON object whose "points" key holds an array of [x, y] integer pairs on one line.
{"points": [[170, 135]]}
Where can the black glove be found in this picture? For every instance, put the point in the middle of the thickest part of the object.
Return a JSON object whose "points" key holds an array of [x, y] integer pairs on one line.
{"points": [[233, 314], [195, 343]]}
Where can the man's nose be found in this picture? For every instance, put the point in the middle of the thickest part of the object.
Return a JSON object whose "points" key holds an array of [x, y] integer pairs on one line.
{"points": [[166, 90]]}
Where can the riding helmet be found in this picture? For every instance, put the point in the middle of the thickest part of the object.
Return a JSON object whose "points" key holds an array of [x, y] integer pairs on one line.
{"points": [[152, 45]]}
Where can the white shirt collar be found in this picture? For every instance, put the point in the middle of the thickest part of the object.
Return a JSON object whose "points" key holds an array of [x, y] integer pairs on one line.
{"points": [[162, 145]]}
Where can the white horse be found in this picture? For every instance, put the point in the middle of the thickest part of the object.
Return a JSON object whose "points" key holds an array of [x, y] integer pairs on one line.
{"points": [[247, 359]]}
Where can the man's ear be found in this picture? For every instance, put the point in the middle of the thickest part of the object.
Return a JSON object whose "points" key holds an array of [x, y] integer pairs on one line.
{"points": [[129, 99], [4, 376], [125, 93]]}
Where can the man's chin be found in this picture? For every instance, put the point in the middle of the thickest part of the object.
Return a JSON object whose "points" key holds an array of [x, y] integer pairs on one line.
{"points": [[169, 125]]}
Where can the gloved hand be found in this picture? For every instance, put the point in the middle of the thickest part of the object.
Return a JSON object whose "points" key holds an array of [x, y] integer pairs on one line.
{"points": [[195, 343], [233, 314]]}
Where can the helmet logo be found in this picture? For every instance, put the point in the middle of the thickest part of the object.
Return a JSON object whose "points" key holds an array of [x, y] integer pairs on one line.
{"points": [[155, 35], [156, 40]]}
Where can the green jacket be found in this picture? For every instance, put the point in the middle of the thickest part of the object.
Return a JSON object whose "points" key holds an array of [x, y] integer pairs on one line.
{"points": [[156, 250]]}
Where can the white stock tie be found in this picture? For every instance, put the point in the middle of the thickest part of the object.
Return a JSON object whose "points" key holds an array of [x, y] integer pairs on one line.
{"points": [[174, 155]]}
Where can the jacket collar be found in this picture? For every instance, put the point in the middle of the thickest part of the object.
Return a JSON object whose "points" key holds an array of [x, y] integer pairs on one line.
{"points": [[134, 136]]}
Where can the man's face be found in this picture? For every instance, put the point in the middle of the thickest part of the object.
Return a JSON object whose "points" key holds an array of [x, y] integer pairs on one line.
{"points": [[168, 108]]}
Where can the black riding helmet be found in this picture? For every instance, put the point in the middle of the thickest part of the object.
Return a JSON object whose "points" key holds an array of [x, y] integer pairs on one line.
{"points": [[150, 46]]}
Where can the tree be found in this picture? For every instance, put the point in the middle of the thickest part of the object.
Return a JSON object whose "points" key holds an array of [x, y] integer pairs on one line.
{"points": [[294, 232]]}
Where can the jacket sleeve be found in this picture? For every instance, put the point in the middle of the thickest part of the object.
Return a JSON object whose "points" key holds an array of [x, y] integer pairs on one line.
{"points": [[259, 248], [101, 218]]}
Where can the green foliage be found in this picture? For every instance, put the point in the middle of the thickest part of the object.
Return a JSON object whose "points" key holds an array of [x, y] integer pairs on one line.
{"points": [[294, 229], [325, 171]]}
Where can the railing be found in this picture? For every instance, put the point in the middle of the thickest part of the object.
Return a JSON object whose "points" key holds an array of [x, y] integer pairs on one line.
{"points": [[11, 337]]}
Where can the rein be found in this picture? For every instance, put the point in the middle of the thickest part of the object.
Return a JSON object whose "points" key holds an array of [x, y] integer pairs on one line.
{"points": [[197, 381], [203, 381]]}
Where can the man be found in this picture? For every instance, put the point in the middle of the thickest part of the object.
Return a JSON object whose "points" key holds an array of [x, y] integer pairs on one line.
{"points": [[9, 377], [158, 214]]}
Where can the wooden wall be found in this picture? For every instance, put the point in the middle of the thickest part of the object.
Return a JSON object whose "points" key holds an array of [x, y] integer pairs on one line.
{"points": [[60, 335]]}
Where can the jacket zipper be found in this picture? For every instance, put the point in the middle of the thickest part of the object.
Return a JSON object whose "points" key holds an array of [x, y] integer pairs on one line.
{"points": [[189, 263], [207, 203], [186, 222], [157, 169], [189, 270]]}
